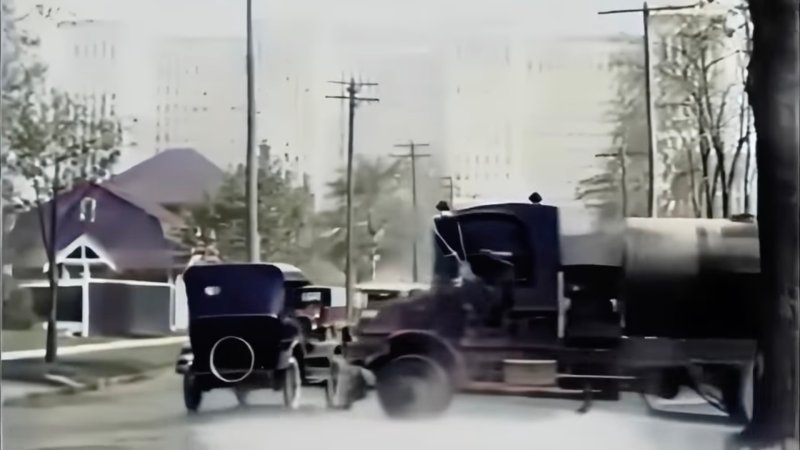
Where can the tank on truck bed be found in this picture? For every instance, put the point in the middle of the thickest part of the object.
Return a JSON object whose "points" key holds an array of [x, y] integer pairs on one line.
{"points": [[649, 306]]}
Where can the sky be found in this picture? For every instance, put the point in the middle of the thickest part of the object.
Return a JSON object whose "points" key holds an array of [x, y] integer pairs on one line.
{"points": [[225, 17]]}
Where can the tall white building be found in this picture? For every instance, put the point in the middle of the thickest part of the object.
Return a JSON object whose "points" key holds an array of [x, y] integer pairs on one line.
{"points": [[106, 65], [200, 97], [291, 75], [525, 115]]}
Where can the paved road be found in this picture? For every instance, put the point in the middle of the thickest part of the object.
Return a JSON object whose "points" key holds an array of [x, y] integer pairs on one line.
{"points": [[150, 415]]}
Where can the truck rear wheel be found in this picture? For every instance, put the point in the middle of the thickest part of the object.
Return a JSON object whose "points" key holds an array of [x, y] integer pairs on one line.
{"points": [[737, 393], [413, 386]]}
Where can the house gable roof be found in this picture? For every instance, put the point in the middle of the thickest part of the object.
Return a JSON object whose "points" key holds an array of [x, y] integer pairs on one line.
{"points": [[179, 176], [26, 237]]}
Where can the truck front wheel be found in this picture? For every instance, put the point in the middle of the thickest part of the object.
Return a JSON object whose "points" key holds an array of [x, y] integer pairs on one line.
{"points": [[413, 386]]}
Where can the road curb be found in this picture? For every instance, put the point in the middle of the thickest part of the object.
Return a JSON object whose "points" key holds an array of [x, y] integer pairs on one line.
{"points": [[75, 388]]}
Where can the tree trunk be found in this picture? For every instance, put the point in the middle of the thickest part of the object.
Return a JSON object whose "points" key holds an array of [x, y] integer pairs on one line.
{"points": [[51, 342], [773, 91]]}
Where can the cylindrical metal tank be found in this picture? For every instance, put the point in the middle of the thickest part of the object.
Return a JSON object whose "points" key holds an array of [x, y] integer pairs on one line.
{"points": [[690, 278]]}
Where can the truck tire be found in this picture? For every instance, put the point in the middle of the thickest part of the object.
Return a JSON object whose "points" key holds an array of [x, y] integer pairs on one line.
{"points": [[413, 386], [737, 393]]}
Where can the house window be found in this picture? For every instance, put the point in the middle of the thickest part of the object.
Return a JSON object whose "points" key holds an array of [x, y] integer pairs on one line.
{"points": [[88, 209]]}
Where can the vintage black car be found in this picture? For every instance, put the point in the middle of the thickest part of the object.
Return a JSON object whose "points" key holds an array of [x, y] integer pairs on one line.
{"points": [[240, 337]]}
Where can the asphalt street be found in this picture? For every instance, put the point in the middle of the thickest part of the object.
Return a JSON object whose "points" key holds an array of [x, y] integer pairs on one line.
{"points": [[150, 415]]}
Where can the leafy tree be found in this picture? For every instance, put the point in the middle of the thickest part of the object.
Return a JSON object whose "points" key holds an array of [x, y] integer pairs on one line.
{"points": [[52, 142], [284, 213], [378, 212]]}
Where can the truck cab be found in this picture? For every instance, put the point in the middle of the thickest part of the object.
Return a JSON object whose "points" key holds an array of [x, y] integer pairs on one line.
{"points": [[516, 306]]}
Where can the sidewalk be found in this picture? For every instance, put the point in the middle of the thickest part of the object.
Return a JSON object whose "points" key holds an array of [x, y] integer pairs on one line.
{"points": [[34, 338], [85, 367]]}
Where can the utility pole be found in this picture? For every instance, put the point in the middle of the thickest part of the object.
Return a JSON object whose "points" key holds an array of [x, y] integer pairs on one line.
{"points": [[449, 185], [353, 101], [648, 90], [251, 188], [413, 155], [621, 156]]}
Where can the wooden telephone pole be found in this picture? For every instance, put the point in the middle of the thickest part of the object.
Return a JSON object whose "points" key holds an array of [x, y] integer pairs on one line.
{"points": [[451, 187], [621, 156], [251, 186], [648, 92], [413, 155], [353, 100]]}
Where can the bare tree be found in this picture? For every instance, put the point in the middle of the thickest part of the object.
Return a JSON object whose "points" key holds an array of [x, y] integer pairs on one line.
{"points": [[703, 110]]}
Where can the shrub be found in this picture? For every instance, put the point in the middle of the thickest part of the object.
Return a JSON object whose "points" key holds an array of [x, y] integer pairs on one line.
{"points": [[18, 313]]}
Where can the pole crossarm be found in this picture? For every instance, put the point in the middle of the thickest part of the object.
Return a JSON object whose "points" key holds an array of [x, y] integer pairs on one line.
{"points": [[352, 90], [647, 8], [413, 156]]}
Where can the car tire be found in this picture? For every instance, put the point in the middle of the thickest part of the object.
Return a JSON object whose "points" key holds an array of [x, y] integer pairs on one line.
{"points": [[292, 384], [192, 394], [334, 397], [413, 386]]}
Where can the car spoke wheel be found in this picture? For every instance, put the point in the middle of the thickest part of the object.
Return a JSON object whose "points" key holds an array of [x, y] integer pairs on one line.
{"points": [[192, 395], [335, 398], [292, 384]]}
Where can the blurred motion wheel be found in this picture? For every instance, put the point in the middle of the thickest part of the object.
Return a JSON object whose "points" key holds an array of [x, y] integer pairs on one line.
{"points": [[737, 393], [192, 395], [413, 386], [292, 382], [335, 397]]}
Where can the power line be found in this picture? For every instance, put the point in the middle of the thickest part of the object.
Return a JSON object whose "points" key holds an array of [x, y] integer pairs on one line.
{"points": [[413, 155], [352, 89]]}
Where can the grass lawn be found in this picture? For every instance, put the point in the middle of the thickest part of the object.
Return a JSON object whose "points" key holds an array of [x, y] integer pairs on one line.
{"points": [[33, 339]]}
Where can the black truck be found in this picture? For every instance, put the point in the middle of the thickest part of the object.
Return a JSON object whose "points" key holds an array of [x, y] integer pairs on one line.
{"points": [[650, 306]]}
